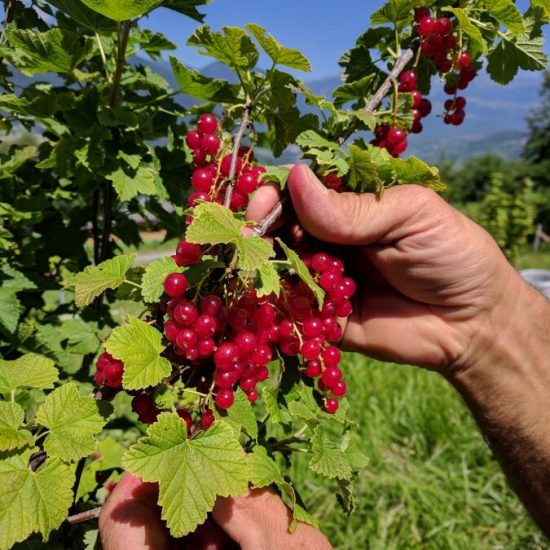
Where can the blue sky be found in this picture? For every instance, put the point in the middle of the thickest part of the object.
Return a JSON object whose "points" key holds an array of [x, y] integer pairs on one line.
{"points": [[321, 33]]}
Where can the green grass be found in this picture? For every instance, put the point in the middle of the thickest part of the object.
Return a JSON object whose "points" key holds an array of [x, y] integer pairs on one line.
{"points": [[539, 260], [432, 481]]}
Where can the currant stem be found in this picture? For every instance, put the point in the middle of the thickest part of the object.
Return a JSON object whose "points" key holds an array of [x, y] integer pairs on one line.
{"points": [[84, 516], [235, 153]]}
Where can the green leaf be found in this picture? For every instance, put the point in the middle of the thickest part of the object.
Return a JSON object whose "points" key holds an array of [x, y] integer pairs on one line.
{"points": [[267, 280], [359, 89], [507, 14], [543, 5], [28, 371], [213, 224], [414, 170], [193, 83], [397, 12], [311, 139], [32, 501], [469, 28], [241, 414], [303, 272], [277, 414], [153, 279], [95, 280], [262, 470], [139, 347], [72, 420], [253, 252], [191, 472], [231, 46], [187, 7], [327, 459], [9, 309], [514, 53], [19, 156], [280, 55], [363, 173], [11, 434], [275, 174], [132, 180], [81, 336], [57, 50], [83, 15], [121, 10]]}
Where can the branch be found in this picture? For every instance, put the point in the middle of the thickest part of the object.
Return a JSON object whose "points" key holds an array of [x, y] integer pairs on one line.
{"points": [[400, 64], [84, 516], [120, 62], [235, 153], [402, 61]]}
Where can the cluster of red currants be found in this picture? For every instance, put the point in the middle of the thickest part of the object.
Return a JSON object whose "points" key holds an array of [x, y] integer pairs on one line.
{"points": [[441, 46], [109, 371], [212, 168]]}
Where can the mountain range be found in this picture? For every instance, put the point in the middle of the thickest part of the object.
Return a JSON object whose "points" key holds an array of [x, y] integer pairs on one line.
{"points": [[495, 115]]}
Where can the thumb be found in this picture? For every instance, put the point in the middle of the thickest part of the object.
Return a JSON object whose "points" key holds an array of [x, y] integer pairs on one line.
{"points": [[356, 218]]}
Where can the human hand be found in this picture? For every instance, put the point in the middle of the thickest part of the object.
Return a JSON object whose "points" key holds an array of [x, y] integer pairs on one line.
{"points": [[433, 287], [259, 520]]}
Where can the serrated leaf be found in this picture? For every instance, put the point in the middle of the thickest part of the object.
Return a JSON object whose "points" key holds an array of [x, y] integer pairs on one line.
{"points": [[311, 139], [253, 252], [130, 182], [397, 12], [507, 14], [187, 7], [213, 224], [330, 160], [81, 336], [95, 280], [543, 5], [72, 420], [241, 414], [9, 309], [363, 172], [193, 83], [350, 91], [11, 434], [280, 55], [303, 405], [122, 10], [191, 472], [301, 514], [32, 501], [303, 272], [414, 170], [277, 414], [469, 28], [153, 279], [262, 470], [139, 347], [28, 371], [275, 174], [231, 46], [57, 50], [345, 496], [512, 54], [327, 459], [267, 280], [84, 16]]}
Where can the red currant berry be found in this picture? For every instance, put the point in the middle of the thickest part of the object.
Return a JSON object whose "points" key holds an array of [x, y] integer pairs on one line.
{"points": [[225, 165], [224, 399], [210, 305], [226, 355], [207, 419], [425, 107], [396, 135], [464, 59], [210, 144], [310, 350], [175, 285], [104, 360], [205, 326], [247, 183], [206, 347], [331, 405], [188, 253], [202, 180], [261, 373], [185, 313], [460, 102], [339, 388], [426, 26], [207, 124], [320, 262], [225, 379], [186, 339], [312, 327], [408, 81], [331, 355], [443, 26], [193, 139], [331, 375], [313, 369], [420, 13], [186, 417], [333, 181], [261, 356]]}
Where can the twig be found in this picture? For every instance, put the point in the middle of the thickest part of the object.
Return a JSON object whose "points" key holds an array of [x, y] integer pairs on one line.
{"points": [[265, 225], [84, 516], [402, 61], [121, 61], [235, 154], [95, 227]]}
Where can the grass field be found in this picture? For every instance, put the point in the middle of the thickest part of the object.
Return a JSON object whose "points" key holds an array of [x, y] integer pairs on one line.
{"points": [[432, 481]]}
